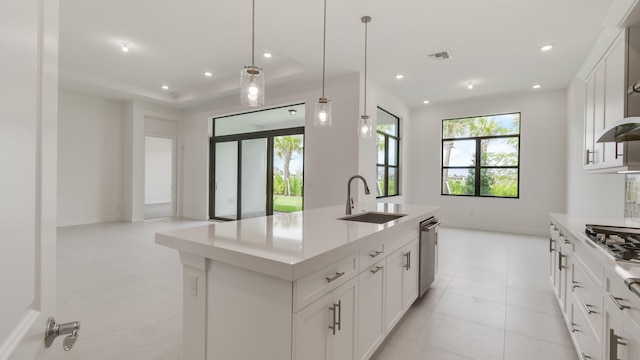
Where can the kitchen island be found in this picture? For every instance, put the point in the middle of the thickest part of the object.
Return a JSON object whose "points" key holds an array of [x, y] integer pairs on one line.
{"points": [[304, 285]]}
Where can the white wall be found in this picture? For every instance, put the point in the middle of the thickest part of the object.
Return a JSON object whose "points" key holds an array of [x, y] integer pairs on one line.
{"points": [[101, 156], [89, 159], [542, 163], [587, 194]]}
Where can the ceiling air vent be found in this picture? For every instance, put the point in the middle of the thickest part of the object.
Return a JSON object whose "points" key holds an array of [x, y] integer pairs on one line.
{"points": [[440, 56]]}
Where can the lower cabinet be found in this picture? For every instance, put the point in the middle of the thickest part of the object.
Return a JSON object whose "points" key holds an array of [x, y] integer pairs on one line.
{"points": [[622, 322], [371, 327], [602, 314], [402, 283], [326, 329]]}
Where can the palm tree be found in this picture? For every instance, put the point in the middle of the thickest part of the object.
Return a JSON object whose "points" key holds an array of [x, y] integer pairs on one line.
{"points": [[285, 146], [452, 129]]}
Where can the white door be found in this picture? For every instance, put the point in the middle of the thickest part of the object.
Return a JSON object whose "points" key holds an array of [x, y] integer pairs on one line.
{"points": [[28, 148], [159, 176]]}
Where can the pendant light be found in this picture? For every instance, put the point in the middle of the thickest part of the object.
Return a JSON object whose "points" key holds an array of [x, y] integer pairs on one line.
{"points": [[365, 125], [322, 113], [252, 76]]}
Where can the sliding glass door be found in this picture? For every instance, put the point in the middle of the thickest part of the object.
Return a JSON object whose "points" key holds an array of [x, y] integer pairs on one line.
{"points": [[256, 174], [225, 184]]}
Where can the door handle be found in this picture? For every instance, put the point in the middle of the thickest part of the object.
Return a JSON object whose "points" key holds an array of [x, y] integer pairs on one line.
{"points": [[53, 330]]}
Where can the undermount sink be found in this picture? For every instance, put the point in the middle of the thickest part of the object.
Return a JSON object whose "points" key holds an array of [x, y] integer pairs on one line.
{"points": [[373, 217]]}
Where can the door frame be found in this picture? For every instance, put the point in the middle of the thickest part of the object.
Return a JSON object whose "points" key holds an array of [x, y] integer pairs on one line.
{"points": [[269, 135], [174, 168]]}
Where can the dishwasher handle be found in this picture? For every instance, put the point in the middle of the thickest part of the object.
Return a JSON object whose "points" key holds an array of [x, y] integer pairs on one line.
{"points": [[429, 226]]}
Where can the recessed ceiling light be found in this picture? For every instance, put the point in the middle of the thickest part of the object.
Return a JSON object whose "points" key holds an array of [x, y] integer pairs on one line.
{"points": [[470, 86], [399, 76], [208, 73], [546, 48], [267, 55], [165, 87], [292, 111], [425, 102], [125, 47], [537, 86]]}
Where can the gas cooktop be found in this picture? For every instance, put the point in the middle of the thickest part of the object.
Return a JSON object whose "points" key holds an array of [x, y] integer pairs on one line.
{"points": [[623, 243]]}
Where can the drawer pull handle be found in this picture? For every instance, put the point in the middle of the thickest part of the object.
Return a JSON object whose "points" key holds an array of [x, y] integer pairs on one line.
{"points": [[614, 341], [573, 329], [587, 160], [560, 256], [588, 308], [336, 324], [335, 277], [551, 242], [616, 300], [376, 253], [378, 268], [574, 284], [585, 356], [408, 264], [339, 322]]}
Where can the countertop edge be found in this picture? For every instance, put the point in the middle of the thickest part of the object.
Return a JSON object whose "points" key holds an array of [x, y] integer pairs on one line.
{"points": [[291, 271]]}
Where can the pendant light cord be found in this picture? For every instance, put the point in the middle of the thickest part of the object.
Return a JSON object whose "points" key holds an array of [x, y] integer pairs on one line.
{"points": [[253, 32], [365, 67], [324, 45]]}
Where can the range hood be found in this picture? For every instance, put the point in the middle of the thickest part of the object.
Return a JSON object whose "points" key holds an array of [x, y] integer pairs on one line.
{"points": [[627, 129]]}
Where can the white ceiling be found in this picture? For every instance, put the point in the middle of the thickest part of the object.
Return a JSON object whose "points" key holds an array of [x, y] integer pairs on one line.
{"points": [[493, 43]]}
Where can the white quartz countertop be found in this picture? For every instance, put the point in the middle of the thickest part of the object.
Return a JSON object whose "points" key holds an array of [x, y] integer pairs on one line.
{"points": [[576, 225], [291, 245]]}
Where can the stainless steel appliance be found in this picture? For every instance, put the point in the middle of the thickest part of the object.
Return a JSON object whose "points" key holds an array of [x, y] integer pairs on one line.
{"points": [[428, 253], [620, 243]]}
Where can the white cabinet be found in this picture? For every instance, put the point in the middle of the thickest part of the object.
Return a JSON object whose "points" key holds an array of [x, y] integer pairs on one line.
{"points": [[351, 320], [559, 261], [402, 282], [606, 102], [622, 321], [602, 314], [371, 283], [410, 274], [326, 329]]}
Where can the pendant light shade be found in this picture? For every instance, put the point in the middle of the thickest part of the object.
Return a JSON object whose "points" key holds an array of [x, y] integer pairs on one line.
{"points": [[322, 113], [252, 76], [252, 86], [365, 124]]}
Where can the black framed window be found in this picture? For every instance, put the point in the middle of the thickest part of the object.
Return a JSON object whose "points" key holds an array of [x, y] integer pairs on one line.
{"points": [[481, 156], [388, 163]]}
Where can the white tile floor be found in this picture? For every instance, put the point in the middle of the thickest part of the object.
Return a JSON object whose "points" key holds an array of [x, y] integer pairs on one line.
{"points": [[492, 298]]}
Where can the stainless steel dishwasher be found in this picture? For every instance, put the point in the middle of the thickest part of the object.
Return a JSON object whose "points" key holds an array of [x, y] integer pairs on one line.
{"points": [[428, 253]]}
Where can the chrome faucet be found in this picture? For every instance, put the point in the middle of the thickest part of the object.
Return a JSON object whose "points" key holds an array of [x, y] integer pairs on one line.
{"points": [[349, 199]]}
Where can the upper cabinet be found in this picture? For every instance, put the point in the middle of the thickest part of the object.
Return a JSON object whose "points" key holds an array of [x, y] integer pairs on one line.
{"points": [[607, 102]]}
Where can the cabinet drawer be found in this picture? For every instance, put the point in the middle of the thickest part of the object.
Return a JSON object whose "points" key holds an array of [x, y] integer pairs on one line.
{"points": [[588, 348], [592, 265], [619, 295], [313, 286], [372, 254], [400, 239], [587, 298]]}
